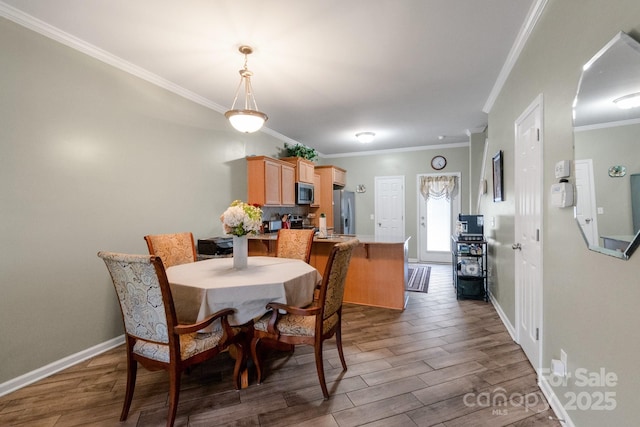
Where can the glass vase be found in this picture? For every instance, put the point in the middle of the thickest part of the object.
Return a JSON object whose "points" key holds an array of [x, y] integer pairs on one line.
{"points": [[240, 252]]}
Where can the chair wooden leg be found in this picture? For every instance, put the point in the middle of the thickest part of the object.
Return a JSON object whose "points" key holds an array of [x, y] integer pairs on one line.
{"points": [[132, 369], [174, 395], [320, 369], [256, 358], [240, 366], [339, 345]]}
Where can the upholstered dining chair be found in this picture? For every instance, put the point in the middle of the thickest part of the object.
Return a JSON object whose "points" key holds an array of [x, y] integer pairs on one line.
{"points": [[295, 243], [174, 249], [153, 336], [311, 325]]}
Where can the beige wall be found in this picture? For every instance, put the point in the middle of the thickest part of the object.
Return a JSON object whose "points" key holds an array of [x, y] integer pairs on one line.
{"points": [[364, 169], [590, 300], [92, 158]]}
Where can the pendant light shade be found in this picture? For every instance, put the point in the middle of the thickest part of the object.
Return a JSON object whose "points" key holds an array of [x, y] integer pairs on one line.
{"points": [[249, 119]]}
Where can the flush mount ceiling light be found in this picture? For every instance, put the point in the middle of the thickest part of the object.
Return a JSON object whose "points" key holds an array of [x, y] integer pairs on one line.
{"points": [[365, 137], [628, 101], [249, 119]]}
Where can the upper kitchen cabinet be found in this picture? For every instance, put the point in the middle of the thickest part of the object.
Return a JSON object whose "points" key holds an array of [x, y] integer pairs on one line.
{"points": [[333, 175], [329, 177], [270, 182], [304, 168]]}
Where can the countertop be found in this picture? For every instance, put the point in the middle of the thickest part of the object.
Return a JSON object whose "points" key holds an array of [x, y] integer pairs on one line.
{"points": [[368, 239]]}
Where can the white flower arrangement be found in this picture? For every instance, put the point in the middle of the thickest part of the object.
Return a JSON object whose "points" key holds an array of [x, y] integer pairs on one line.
{"points": [[241, 219]]}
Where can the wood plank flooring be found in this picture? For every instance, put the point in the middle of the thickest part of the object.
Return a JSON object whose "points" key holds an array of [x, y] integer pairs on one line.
{"points": [[441, 362]]}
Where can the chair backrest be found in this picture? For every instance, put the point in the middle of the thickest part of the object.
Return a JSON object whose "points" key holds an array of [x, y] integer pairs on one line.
{"points": [[144, 294], [294, 243], [174, 249], [335, 274]]}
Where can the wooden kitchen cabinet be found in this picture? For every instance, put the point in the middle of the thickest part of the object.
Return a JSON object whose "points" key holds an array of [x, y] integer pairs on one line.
{"points": [[288, 185], [304, 169], [339, 177], [330, 176], [270, 182], [317, 190]]}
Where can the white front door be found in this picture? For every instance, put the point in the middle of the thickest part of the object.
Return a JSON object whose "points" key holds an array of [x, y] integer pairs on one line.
{"points": [[389, 206], [528, 235], [585, 208], [436, 223]]}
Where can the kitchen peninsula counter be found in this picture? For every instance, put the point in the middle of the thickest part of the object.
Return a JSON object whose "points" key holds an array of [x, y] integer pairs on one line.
{"points": [[377, 274]]}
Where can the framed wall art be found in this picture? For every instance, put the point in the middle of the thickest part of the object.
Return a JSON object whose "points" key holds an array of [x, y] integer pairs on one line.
{"points": [[497, 177]]}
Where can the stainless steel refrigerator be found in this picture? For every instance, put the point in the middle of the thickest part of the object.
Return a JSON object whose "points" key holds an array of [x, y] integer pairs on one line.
{"points": [[344, 214]]}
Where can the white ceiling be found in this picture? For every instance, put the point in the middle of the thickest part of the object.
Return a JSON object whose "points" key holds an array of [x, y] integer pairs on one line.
{"points": [[408, 70]]}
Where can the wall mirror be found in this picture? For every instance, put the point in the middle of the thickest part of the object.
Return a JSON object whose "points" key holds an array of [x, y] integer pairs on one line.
{"points": [[606, 130]]}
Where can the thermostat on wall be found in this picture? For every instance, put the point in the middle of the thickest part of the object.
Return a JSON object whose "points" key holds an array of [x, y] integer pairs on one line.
{"points": [[563, 169]]}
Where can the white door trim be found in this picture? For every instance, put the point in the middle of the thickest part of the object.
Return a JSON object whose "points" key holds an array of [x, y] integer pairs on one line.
{"points": [[537, 104]]}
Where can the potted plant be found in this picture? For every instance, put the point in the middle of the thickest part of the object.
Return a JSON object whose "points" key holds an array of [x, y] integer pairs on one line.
{"points": [[299, 150]]}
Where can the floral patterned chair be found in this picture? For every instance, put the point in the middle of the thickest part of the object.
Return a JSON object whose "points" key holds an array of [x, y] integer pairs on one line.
{"points": [[294, 244], [153, 336], [174, 249], [311, 325]]}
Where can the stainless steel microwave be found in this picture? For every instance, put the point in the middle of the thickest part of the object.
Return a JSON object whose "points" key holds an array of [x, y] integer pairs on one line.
{"points": [[304, 193]]}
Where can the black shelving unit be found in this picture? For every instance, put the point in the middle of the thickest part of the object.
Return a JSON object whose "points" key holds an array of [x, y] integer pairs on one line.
{"points": [[469, 261]]}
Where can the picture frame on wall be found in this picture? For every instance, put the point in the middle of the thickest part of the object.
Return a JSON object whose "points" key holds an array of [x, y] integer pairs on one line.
{"points": [[497, 177]]}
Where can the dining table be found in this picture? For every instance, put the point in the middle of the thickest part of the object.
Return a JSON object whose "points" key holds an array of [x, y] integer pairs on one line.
{"points": [[201, 288]]}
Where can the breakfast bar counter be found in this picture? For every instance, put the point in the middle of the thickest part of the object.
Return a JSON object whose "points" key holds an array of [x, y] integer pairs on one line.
{"points": [[377, 274]]}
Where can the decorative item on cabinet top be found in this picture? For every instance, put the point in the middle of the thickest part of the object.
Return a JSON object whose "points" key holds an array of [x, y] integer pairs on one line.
{"points": [[299, 150]]}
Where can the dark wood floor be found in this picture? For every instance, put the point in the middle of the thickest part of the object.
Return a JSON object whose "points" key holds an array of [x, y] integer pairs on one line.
{"points": [[441, 362]]}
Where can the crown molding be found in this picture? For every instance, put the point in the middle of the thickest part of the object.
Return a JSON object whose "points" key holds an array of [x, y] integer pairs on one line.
{"points": [[80, 45], [473, 131], [396, 150], [525, 31]]}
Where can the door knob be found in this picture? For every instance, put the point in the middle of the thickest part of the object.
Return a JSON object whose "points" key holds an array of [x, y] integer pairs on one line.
{"points": [[517, 246], [587, 220]]}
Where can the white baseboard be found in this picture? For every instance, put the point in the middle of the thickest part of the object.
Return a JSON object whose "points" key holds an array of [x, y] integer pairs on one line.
{"points": [[57, 366], [561, 413], [544, 385], [503, 317]]}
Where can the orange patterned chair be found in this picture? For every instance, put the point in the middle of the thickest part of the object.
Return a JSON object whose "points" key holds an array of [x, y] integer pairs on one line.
{"points": [[311, 325], [294, 244], [154, 338], [174, 249]]}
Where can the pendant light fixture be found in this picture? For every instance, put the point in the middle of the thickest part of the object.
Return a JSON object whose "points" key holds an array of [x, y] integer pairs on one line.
{"points": [[249, 119]]}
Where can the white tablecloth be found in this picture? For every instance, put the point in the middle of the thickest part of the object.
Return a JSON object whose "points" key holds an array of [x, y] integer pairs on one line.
{"points": [[204, 287]]}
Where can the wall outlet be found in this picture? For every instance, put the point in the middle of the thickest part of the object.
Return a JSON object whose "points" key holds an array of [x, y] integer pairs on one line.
{"points": [[563, 359], [371, 217]]}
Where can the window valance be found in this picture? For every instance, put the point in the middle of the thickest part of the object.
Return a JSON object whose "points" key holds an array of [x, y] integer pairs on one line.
{"points": [[437, 187]]}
